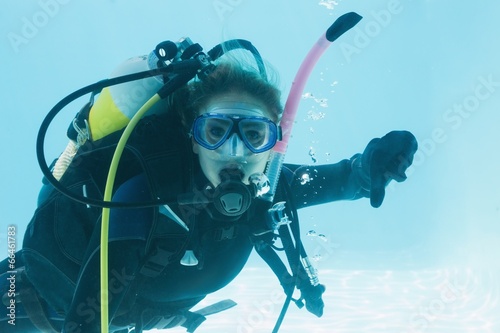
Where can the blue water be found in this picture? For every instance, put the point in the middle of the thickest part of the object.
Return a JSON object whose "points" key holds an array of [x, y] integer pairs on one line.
{"points": [[428, 260]]}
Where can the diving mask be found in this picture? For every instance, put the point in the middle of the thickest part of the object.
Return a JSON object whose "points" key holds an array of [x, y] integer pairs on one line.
{"points": [[259, 134]]}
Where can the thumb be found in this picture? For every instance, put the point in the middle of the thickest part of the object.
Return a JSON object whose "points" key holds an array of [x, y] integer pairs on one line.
{"points": [[377, 187]]}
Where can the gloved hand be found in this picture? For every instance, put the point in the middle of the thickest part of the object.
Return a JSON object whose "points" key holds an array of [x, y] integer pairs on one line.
{"points": [[313, 297], [385, 159]]}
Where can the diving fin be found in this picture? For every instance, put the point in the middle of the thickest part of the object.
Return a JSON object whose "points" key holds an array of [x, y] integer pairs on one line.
{"points": [[216, 307]]}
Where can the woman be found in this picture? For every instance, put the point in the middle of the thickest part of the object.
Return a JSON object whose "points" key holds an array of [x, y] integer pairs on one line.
{"points": [[204, 155]]}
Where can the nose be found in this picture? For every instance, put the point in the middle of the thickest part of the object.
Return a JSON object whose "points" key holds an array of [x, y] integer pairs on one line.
{"points": [[236, 147]]}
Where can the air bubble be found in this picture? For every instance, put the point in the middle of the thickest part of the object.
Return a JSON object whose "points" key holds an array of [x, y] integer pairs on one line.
{"points": [[312, 154], [317, 257], [323, 237], [329, 4], [322, 102], [315, 115], [311, 233], [305, 179]]}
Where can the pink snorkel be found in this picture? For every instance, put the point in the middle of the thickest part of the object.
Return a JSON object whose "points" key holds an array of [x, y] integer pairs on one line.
{"points": [[341, 25]]}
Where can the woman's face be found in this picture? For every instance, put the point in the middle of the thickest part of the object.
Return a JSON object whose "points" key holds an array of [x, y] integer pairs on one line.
{"points": [[233, 154]]}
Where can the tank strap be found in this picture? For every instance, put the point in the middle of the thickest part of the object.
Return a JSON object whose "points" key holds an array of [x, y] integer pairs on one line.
{"points": [[34, 307]]}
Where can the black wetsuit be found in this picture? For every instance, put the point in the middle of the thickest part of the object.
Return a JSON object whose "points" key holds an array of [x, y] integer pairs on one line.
{"points": [[147, 282]]}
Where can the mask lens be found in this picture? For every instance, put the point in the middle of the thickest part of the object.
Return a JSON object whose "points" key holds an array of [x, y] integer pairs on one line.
{"points": [[257, 134], [211, 132]]}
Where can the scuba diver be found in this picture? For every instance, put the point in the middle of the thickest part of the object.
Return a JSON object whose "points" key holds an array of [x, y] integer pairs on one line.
{"points": [[199, 158]]}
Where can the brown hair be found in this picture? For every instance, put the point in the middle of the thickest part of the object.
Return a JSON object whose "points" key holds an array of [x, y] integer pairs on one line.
{"points": [[227, 77]]}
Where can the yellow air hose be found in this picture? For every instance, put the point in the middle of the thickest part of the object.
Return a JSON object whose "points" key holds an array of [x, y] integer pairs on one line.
{"points": [[108, 191]]}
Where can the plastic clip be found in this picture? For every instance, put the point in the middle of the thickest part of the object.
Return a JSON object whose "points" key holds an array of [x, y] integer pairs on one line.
{"points": [[277, 216]]}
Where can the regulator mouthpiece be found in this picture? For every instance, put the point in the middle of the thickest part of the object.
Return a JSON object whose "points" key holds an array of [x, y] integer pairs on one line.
{"points": [[232, 197]]}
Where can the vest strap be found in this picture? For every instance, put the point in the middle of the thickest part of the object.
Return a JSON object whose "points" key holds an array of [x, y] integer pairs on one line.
{"points": [[34, 307], [156, 262]]}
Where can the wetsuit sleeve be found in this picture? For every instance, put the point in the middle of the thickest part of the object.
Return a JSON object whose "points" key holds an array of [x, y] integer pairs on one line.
{"points": [[128, 232], [317, 184]]}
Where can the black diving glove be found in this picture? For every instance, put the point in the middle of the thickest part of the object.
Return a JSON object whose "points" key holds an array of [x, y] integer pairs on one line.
{"points": [[313, 297], [385, 159]]}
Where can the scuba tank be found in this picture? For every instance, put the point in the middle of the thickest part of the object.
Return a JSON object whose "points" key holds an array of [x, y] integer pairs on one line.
{"points": [[112, 110], [115, 105]]}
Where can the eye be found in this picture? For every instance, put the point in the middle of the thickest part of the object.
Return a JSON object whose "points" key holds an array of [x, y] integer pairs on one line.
{"points": [[255, 134], [215, 130]]}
